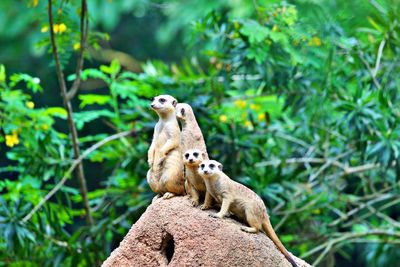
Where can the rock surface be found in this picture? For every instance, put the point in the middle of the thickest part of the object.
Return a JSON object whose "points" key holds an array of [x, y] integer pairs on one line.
{"points": [[173, 233]]}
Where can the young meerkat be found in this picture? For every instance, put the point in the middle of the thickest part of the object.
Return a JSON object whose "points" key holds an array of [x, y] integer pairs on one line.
{"points": [[194, 184], [165, 175], [191, 136], [240, 201]]}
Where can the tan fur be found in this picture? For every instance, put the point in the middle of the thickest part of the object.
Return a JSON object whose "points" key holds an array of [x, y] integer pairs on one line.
{"points": [[165, 175], [191, 136], [240, 201], [194, 184]]}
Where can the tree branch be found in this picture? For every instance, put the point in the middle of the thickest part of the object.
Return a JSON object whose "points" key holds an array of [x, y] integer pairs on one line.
{"points": [[75, 163], [70, 120]]}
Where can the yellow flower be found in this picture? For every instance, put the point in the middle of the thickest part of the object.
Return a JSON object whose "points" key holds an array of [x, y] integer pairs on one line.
{"points": [[261, 116], [44, 28], [62, 27], [223, 118], [45, 127], [275, 28], [12, 140], [77, 46], [315, 41], [248, 124], [35, 3], [55, 28], [316, 211], [255, 107], [244, 115], [30, 104], [240, 103]]}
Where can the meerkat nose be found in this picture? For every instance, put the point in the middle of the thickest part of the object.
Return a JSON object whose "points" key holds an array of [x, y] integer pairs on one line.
{"points": [[205, 172], [152, 105], [191, 160]]}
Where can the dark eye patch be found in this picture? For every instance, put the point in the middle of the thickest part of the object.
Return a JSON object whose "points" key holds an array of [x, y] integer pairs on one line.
{"points": [[202, 166], [212, 166], [183, 111], [162, 100], [195, 154], [187, 155]]}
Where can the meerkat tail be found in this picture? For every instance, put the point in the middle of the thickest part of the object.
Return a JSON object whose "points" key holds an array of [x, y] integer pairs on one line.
{"points": [[267, 227]]}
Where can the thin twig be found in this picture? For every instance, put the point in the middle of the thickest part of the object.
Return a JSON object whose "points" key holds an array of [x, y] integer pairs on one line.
{"points": [[377, 6], [366, 64], [378, 57], [75, 163], [366, 215], [362, 206], [84, 28], [345, 237]]}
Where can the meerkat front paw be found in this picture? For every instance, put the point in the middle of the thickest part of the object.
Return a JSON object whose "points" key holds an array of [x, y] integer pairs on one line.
{"points": [[205, 207], [194, 202], [217, 215], [168, 195]]}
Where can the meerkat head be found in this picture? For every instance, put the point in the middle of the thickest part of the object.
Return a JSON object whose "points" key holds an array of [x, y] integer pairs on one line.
{"points": [[183, 111], [193, 157], [163, 104], [209, 168]]}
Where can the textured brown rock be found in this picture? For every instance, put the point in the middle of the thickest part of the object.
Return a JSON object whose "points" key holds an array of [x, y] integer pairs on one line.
{"points": [[173, 233]]}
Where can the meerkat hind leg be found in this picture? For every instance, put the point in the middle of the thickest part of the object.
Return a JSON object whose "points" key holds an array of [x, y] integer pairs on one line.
{"points": [[252, 221], [249, 229]]}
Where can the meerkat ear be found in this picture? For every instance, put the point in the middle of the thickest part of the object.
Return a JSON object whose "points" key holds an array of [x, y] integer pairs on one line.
{"points": [[174, 103], [220, 167]]}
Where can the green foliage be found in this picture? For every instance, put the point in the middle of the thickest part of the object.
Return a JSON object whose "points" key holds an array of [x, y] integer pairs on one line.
{"points": [[299, 103]]}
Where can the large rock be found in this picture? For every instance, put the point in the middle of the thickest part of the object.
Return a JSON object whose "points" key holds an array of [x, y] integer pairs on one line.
{"points": [[173, 233]]}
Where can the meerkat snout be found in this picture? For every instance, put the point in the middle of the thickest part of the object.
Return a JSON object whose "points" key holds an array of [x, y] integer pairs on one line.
{"points": [[163, 103], [209, 167], [193, 157]]}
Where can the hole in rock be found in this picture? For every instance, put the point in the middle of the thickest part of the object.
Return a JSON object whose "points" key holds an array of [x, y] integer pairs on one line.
{"points": [[168, 246]]}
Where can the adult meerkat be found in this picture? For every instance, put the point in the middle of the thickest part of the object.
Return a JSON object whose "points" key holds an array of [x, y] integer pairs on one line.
{"points": [[165, 175], [240, 201], [194, 184], [191, 136]]}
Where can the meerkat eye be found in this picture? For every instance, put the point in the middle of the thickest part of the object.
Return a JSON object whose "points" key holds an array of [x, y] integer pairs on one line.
{"points": [[162, 100], [212, 166], [202, 166], [187, 155], [195, 154], [183, 111]]}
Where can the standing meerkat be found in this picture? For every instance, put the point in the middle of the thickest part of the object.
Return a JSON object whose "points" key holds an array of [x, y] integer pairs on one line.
{"points": [[165, 175], [240, 201], [191, 136], [194, 184]]}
